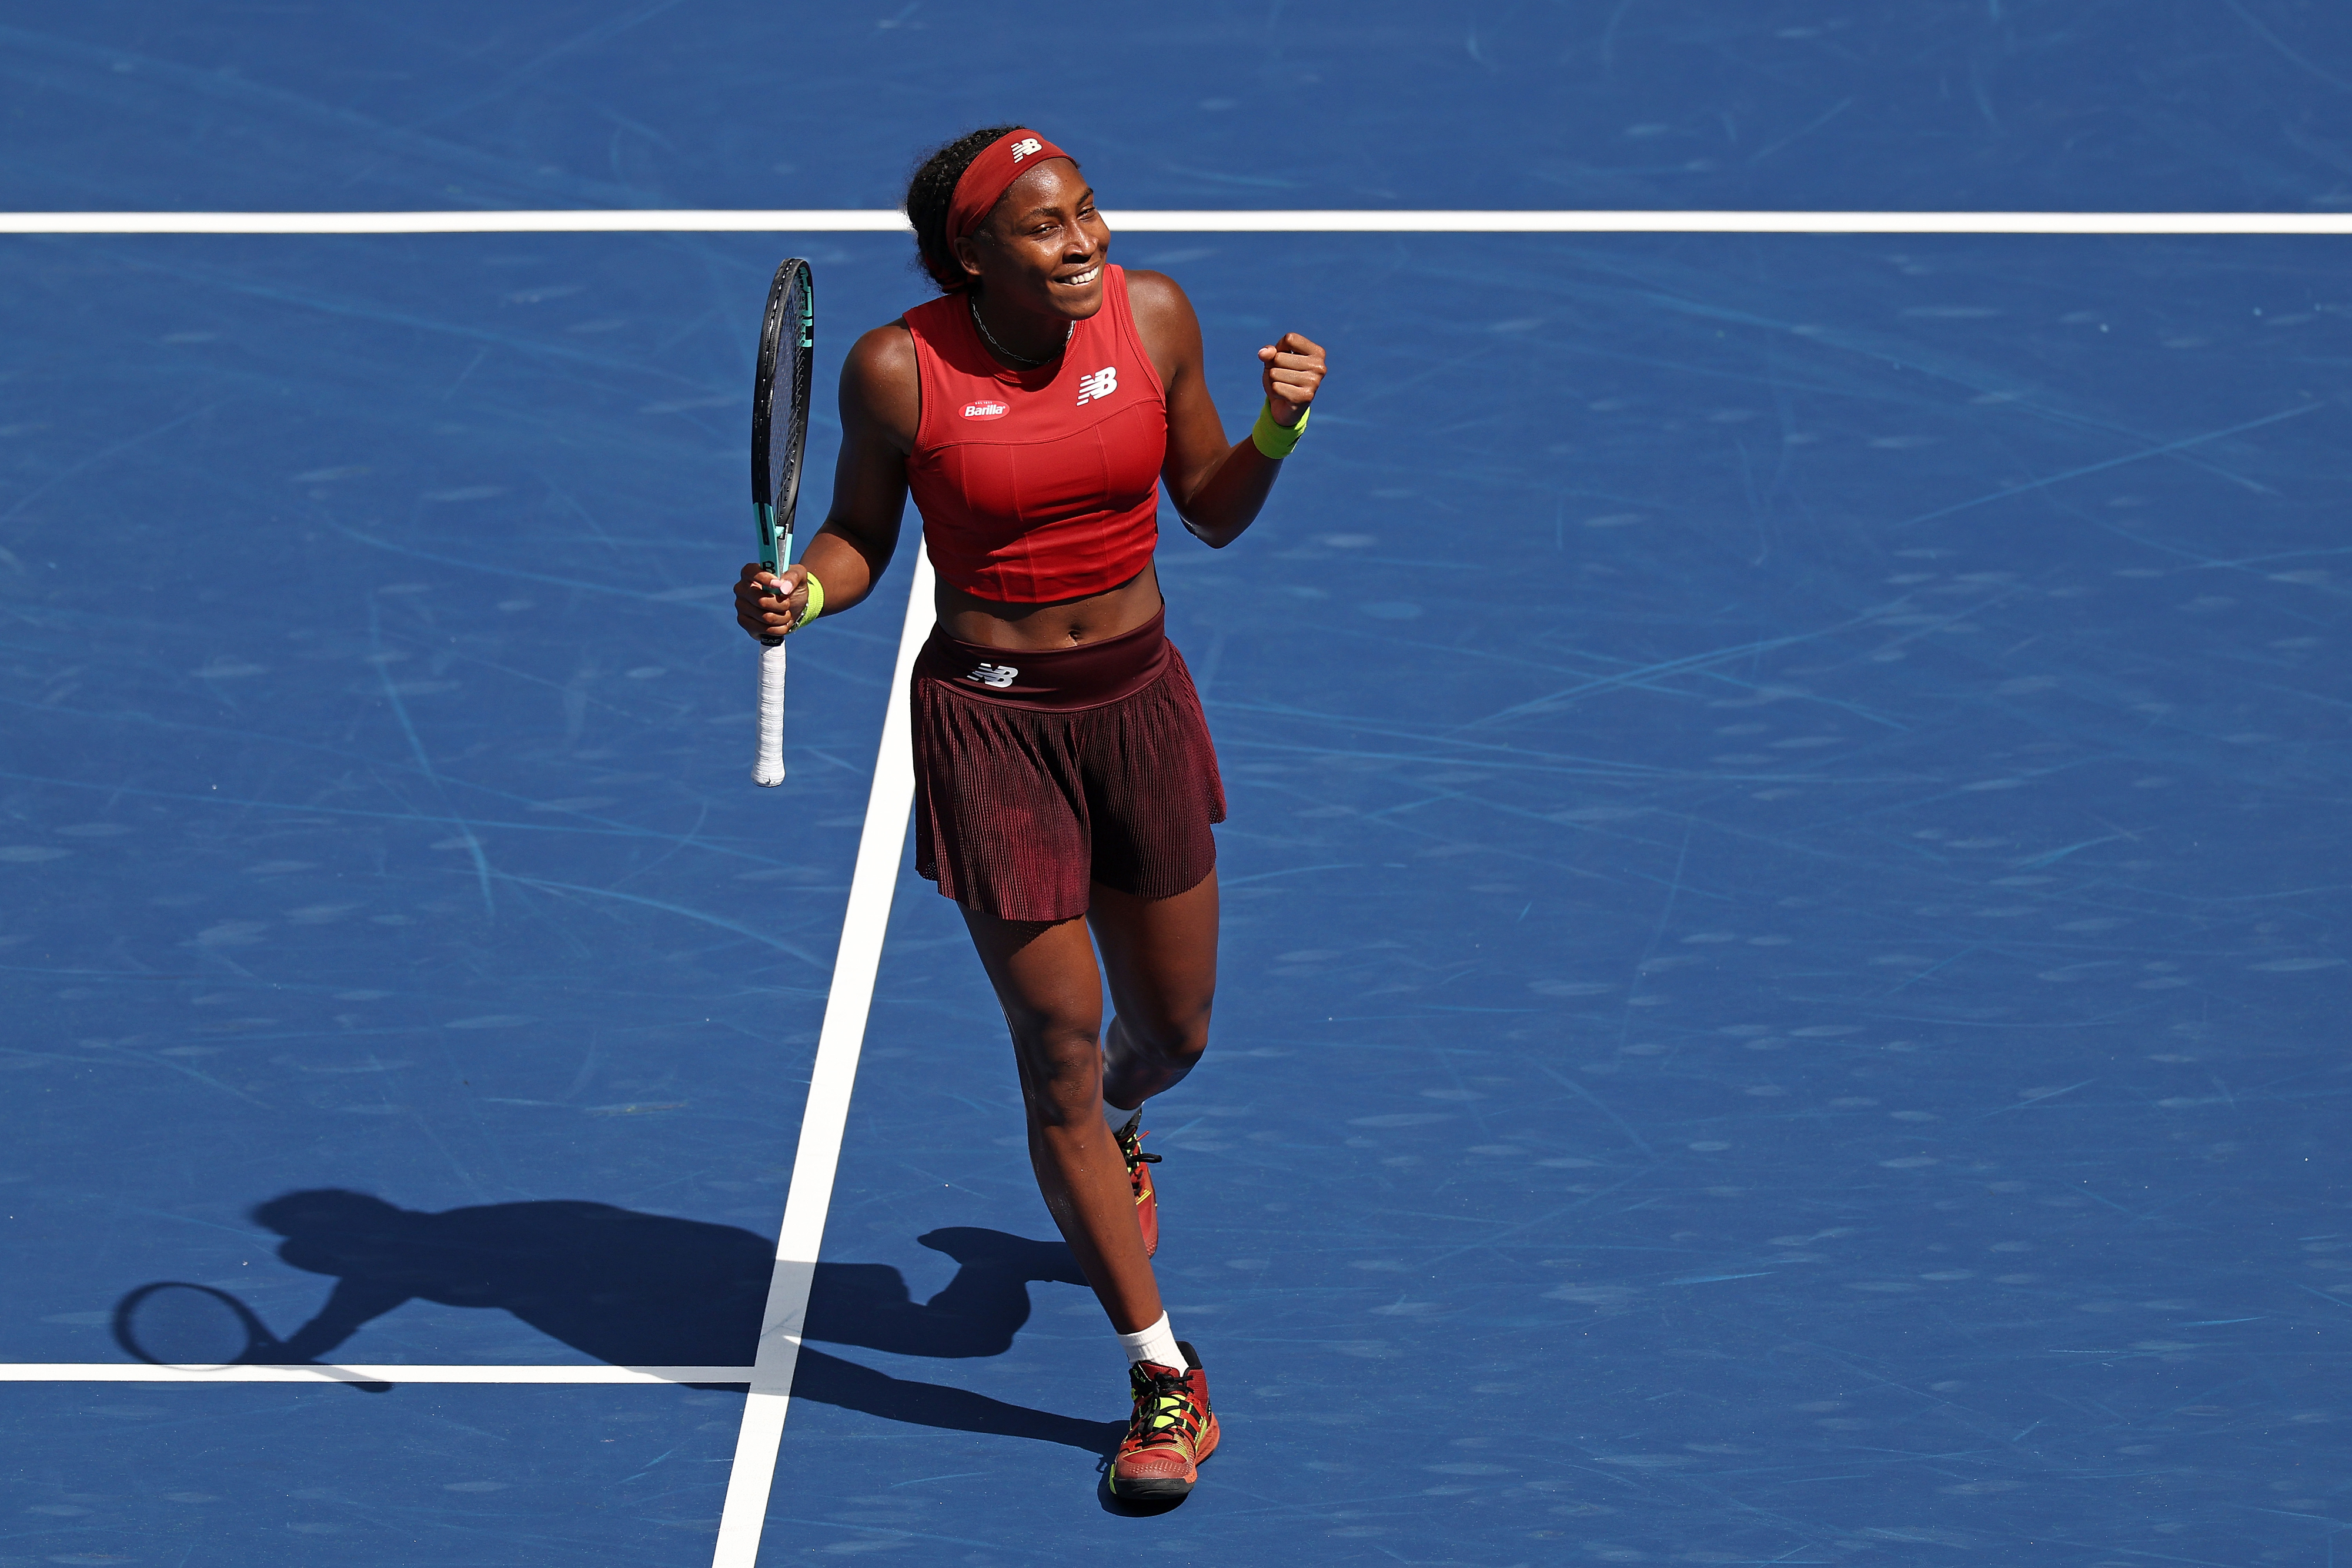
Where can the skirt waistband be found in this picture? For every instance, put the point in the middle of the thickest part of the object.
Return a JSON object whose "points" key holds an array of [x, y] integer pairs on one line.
{"points": [[1049, 679]]}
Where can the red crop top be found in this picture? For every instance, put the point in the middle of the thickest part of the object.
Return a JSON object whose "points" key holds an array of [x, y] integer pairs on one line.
{"points": [[1041, 485]]}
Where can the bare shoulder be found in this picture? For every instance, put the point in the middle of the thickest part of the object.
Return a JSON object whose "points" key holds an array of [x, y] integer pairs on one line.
{"points": [[880, 381], [1157, 299], [884, 354], [1164, 320]]}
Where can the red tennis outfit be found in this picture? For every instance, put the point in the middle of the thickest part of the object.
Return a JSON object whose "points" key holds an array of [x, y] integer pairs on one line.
{"points": [[1043, 485], [1040, 772]]}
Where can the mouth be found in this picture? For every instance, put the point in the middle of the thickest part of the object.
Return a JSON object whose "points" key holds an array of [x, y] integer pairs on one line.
{"points": [[1080, 279]]}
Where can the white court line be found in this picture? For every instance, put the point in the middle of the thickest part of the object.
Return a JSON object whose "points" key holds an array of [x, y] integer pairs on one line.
{"points": [[855, 969], [1272, 221], [887, 810], [138, 1372], [769, 1379]]}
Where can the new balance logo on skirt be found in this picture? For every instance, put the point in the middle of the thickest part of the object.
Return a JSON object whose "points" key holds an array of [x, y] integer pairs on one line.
{"points": [[1100, 384], [997, 675]]}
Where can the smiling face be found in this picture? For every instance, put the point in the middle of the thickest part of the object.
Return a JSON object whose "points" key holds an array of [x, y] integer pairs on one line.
{"points": [[1042, 247]]}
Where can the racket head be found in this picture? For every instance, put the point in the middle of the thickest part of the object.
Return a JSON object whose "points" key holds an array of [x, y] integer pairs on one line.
{"points": [[193, 1328], [780, 402]]}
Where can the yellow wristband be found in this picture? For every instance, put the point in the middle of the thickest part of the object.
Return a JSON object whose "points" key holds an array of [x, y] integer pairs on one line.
{"points": [[1272, 439], [815, 601]]}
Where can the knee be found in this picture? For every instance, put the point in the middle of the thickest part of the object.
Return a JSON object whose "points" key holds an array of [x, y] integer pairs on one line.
{"points": [[1061, 1073], [1174, 1039]]}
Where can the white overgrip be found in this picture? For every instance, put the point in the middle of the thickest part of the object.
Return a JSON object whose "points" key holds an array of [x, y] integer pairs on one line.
{"points": [[767, 766]]}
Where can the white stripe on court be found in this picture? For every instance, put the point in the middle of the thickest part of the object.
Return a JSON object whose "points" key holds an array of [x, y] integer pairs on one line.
{"points": [[887, 810], [853, 220], [848, 1005], [140, 1372], [769, 1381]]}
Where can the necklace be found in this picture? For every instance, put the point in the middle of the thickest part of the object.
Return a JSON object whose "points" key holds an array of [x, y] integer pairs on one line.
{"points": [[990, 337]]}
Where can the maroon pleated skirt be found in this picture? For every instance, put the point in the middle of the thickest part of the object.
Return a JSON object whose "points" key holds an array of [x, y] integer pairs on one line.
{"points": [[1039, 773]]}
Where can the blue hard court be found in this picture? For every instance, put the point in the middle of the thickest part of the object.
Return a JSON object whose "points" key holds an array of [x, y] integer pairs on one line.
{"points": [[1785, 890]]}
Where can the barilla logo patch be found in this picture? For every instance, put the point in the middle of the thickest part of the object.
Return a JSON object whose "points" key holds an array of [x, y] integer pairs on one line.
{"points": [[1025, 146], [991, 410]]}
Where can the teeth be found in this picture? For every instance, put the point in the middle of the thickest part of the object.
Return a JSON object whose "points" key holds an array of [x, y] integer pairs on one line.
{"points": [[1083, 278]]}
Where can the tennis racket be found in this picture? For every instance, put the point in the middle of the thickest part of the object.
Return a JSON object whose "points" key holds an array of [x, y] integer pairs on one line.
{"points": [[193, 1327], [780, 399]]}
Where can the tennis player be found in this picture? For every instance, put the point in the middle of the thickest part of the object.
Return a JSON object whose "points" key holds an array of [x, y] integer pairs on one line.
{"points": [[1063, 777]]}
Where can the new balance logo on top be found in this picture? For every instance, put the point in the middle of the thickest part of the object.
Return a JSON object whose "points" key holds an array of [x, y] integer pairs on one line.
{"points": [[1025, 146], [997, 675], [1100, 384]]}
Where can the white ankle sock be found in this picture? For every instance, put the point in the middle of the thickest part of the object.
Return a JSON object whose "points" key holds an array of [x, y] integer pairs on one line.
{"points": [[1117, 1117], [1155, 1343]]}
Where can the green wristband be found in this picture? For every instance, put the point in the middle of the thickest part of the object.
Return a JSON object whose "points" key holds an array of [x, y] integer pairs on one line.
{"points": [[1274, 440], [816, 600]]}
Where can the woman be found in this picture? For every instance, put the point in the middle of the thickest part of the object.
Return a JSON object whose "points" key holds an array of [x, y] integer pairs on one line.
{"points": [[1065, 780]]}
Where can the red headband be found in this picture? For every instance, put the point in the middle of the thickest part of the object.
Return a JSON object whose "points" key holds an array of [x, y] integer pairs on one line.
{"points": [[989, 176]]}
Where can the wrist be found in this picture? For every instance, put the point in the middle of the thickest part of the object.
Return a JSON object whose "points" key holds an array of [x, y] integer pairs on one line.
{"points": [[815, 606], [1275, 440]]}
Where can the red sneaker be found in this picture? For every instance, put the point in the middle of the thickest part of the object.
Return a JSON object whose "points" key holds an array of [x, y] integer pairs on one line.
{"points": [[1147, 1202], [1171, 1432]]}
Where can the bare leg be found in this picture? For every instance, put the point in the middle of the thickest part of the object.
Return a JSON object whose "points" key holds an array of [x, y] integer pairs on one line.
{"points": [[1162, 957], [1051, 991]]}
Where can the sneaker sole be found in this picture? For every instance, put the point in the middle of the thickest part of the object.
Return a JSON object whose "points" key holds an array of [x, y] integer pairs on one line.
{"points": [[1163, 1489], [1150, 1491]]}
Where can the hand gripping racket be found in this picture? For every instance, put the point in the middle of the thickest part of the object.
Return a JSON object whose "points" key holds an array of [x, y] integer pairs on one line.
{"points": [[780, 399]]}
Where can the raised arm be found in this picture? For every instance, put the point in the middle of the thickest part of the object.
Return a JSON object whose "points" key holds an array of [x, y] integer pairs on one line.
{"points": [[1217, 488], [881, 405]]}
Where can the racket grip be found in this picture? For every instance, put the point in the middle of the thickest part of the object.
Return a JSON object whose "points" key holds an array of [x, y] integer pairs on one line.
{"points": [[767, 766]]}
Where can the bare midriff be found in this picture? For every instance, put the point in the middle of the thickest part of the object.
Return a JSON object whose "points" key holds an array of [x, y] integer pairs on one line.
{"points": [[989, 625]]}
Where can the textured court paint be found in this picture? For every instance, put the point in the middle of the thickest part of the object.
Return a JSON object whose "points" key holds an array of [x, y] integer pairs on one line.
{"points": [[1514, 774], [834, 1076], [1253, 221], [2219, 105], [2034, 847]]}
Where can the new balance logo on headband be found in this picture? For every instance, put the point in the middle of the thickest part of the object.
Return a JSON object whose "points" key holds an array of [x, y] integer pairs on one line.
{"points": [[1024, 147], [1099, 385]]}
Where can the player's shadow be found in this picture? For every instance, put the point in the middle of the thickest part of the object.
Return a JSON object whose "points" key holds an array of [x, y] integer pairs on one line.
{"points": [[645, 1290]]}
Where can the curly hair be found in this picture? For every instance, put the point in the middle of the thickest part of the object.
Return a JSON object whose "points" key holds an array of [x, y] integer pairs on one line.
{"points": [[931, 192]]}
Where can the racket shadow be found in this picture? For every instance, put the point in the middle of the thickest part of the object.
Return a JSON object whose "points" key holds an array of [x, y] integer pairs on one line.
{"points": [[201, 1328], [635, 1290]]}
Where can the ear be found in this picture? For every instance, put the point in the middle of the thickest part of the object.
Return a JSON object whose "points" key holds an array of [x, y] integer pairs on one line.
{"points": [[966, 251]]}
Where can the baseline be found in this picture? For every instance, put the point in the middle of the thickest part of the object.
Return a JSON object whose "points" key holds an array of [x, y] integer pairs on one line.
{"points": [[884, 220]]}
